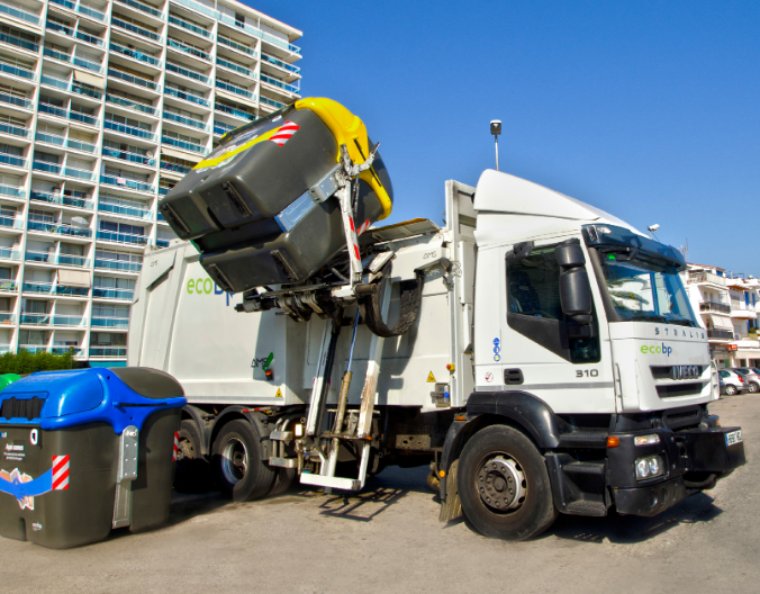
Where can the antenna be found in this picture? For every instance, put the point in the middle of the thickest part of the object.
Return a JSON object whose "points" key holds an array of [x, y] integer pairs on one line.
{"points": [[496, 132]]}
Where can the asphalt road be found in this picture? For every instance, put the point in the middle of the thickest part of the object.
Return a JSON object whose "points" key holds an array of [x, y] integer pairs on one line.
{"points": [[388, 539]]}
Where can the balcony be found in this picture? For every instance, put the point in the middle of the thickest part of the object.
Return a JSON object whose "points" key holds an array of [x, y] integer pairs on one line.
{"points": [[45, 167], [221, 129], [7, 253], [12, 191], [176, 168], [88, 38], [118, 265], [21, 14], [188, 48], [46, 226], [6, 128], [62, 199], [235, 67], [187, 121], [226, 86], [183, 144], [141, 6], [12, 160], [110, 322], [130, 78], [7, 317], [16, 101], [238, 113], [186, 72], [129, 156], [63, 349], [280, 64], [132, 28], [81, 174], [80, 8], [25, 71], [702, 276], [116, 206], [72, 87], [231, 43], [720, 334], [85, 118], [131, 104], [125, 182], [111, 293], [8, 286], [258, 33], [19, 41], [67, 320], [715, 306], [11, 222], [188, 26], [72, 260], [134, 54], [279, 84], [126, 238], [186, 96], [58, 27], [35, 319], [110, 352], [88, 65], [272, 103], [129, 130]]}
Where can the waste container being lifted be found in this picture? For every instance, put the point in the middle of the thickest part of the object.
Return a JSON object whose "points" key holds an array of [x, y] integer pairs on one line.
{"points": [[260, 208], [85, 451]]}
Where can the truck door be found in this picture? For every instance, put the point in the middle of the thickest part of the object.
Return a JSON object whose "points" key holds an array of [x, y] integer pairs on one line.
{"points": [[541, 348]]}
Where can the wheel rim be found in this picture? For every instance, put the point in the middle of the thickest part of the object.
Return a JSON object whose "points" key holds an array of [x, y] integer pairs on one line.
{"points": [[501, 483], [234, 461]]}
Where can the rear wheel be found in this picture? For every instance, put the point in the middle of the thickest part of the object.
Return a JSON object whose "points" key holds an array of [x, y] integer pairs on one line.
{"points": [[753, 387], [729, 390], [238, 462], [504, 486]]}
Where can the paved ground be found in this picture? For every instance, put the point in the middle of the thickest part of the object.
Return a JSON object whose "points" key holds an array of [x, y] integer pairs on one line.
{"points": [[389, 540]]}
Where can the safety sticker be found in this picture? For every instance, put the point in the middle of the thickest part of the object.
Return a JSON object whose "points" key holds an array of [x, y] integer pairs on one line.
{"points": [[278, 393], [430, 378], [25, 488]]}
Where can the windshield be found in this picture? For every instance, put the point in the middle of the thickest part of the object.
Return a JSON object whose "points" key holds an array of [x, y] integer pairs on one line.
{"points": [[646, 291]]}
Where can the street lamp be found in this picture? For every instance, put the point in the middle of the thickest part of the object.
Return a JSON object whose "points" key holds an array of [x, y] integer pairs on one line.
{"points": [[496, 132]]}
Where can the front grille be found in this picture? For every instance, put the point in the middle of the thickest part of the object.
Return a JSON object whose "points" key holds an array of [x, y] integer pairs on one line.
{"points": [[22, 408], [677, 372], [681, 389]]}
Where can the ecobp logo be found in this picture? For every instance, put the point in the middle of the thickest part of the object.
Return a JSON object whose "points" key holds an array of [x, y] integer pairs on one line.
{"points": [[205, 286], [656, 349]]}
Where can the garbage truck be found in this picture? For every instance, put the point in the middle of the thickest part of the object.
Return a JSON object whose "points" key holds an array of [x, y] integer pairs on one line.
{"points": [[539, 354]]}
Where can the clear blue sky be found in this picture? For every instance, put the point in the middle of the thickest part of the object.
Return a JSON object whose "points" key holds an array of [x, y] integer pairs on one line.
{"points": [[647, 109]]}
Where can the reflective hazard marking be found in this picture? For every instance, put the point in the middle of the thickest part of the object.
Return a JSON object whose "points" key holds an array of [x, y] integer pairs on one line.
{"points": [[278, 393], [431, 378], [60, 473]]}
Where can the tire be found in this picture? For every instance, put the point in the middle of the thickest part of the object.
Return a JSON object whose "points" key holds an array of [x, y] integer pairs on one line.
{"points": [[753, 388], [729, 390], [192, 470], [283, 481], [238, 464], [504, 486]]}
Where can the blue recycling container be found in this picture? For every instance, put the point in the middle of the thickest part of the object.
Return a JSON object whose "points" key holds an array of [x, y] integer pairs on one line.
{"points": [[85, 451]]}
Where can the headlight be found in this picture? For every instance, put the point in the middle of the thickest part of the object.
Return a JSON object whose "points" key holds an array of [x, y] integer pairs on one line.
{"points": [[648, 467], [644, 440]]}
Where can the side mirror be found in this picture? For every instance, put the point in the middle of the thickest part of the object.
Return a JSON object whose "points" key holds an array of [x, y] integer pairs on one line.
{"points": [[574, 287]]}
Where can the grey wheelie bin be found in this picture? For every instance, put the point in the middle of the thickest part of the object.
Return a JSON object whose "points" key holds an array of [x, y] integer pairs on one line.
{"points": [[86, 451]]}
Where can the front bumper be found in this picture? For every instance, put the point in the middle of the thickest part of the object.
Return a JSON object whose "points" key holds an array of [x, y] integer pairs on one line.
{"points": [[693, 460]]}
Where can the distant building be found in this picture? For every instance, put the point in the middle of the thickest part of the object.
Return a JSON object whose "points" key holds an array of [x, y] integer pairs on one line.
{"points": [[104, 105], [729, 309]]}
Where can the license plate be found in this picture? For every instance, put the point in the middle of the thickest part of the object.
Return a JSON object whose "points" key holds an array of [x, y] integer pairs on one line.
{"points": [[734, 437]]}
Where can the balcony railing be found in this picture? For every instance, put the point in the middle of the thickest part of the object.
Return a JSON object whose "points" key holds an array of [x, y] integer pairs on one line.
{"points": [[67, 320], [111, 293], [62, 199], [19, 13], [124, 182], [187, 48], [86, 37], [720, 334], [175, 117], [110, 352], [82, 174], [117, 207], [19, 41], [183, 144], [267, 101], [256, 32], [138, 158], [188, 26], [13, 191], [35, 319], [15, 70], [239, 113], [191, 97], [221, 129], [235, 45], [280, 63], [715, 306], [14, 130], [7, 285], [7, 253], [15, 100], [128, 238], [134, 54], [50, 288], [118, 100], [44, 166], [110, 322], [12, 160], [135, 80], [175, 167], [63, 349], [142, 31], [73, 87], [192, 74], [72, 260], [130, 130], [85, 118], [224, 85], [279, 84], [7, 317], [233, 66], [58, 228], [88, 64], [120, 265], [80, 8], [11, 222], [141, 6]]}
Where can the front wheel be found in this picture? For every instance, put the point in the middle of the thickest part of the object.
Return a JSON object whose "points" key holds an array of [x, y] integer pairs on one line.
{"points": [[729, 390], [238, 462], [504, 486]]}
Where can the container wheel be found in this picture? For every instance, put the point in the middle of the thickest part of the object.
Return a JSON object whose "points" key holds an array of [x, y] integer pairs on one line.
{"points": [[238, 462], [504, 486]]}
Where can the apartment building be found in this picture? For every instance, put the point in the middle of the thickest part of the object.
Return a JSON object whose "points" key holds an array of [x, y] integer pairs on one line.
{"points": [[729, 308], [104, 105]]}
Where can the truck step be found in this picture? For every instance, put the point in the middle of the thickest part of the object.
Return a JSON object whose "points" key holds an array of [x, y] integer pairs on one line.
{"points": [[330, 482], [283, 462], [586, 507]]}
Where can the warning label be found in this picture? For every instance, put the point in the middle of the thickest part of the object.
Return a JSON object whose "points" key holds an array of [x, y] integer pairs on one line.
{"points": [[430, 378]]}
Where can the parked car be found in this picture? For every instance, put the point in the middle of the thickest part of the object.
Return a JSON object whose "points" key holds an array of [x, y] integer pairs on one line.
{"points": [[730, 382], [751, 378]]}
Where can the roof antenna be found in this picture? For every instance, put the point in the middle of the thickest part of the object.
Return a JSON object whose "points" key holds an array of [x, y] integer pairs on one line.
{"points": [[496, 132]]}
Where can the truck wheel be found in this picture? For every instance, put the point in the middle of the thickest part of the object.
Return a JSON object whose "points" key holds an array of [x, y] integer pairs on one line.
{"points": [[238, 462], [283, 481], [191, 473], [729, 390], [504, 485]]}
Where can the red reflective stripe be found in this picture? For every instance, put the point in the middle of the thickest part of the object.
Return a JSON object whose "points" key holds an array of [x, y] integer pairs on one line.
{"points": [[60, 473]]}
